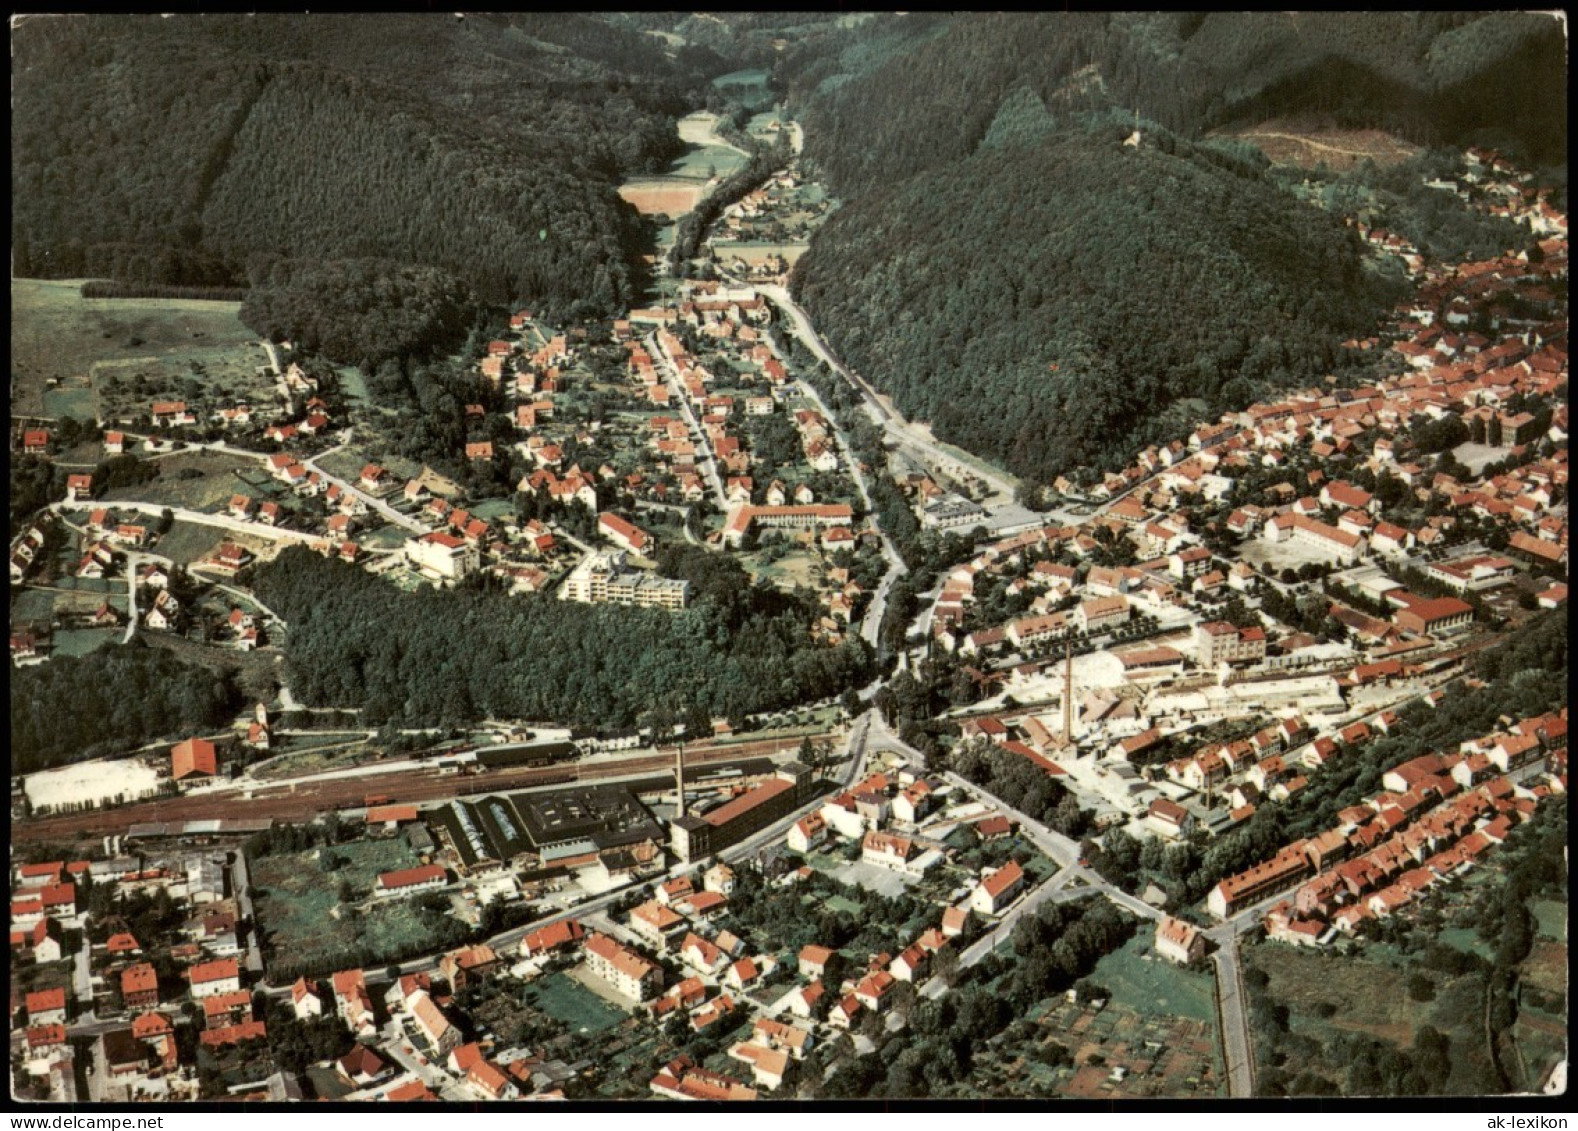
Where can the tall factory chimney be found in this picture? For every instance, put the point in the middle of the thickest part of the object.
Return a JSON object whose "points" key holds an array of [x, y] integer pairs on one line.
{"points": [[1068, 693], [679, 779]]}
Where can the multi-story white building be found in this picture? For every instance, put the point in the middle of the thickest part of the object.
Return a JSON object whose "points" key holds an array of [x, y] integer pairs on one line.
{"points": [[1218, 642], [605, 579], [443, 556]]}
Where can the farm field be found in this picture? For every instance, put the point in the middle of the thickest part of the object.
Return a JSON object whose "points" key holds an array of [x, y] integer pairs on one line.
{"points": [[659, 197], [58, 335], [682, 185], [755, 253]]}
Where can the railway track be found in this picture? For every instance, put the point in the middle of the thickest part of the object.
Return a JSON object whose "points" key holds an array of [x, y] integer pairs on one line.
{"points": [[283, 803]]}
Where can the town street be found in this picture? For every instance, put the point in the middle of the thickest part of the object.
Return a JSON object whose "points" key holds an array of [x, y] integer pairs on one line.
{"points": [[223, 521], [388, 513], [871, 623], [708, 465]]}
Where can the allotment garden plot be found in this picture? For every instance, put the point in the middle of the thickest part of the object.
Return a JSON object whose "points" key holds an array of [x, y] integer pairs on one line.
{"points": [[304, 920]]}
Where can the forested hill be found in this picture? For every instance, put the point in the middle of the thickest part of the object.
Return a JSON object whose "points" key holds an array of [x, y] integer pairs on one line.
{"points": [[176, 150], [1044, 301], [899, 95], [455, 656]]}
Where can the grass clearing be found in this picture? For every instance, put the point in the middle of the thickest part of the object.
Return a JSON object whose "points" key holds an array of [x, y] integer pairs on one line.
{"points": [[1147, 984], [1546, 968], [209, 490], [81, 641], [843, 903], [58, 337], [1551, 916], [1468, 941], [1292, 143], [187, 542], [1364, 988], [32, 606], [565, 999], [791, 568]]}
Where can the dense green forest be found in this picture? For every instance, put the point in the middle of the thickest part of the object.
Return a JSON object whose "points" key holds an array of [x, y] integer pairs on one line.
{"points": [[361, 311], [454, 656], [110, 701], [895, 96], [1042, 303], [984, 240], [172, 150]]}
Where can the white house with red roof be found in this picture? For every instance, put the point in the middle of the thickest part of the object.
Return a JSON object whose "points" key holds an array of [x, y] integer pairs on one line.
{"points": [[997, 888]]}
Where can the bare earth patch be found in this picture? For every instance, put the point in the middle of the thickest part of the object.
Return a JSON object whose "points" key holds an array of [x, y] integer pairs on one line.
{"points": [[1305, 145], [662, 198]]}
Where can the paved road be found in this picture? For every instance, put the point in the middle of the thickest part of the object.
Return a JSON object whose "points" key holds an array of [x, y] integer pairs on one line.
{"points": [[871, 623], [708, 464], [1234, 1015], [241, 886], [134, 559], [907, 436], [223, 521], [388, 513]]}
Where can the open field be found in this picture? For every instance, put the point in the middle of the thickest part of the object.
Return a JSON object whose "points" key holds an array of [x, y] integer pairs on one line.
{"points": [[755, 253], [1366, 992], [289, 761], [1141, 981], [255, 672], [1552, 919], [682, 185], [564, 998], [187, 542], [58, 335], [78, 401], [1293, 143], [81, 641], [209, 490], [33, 606], [794, 568], [662, 197], [755, 77]]}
